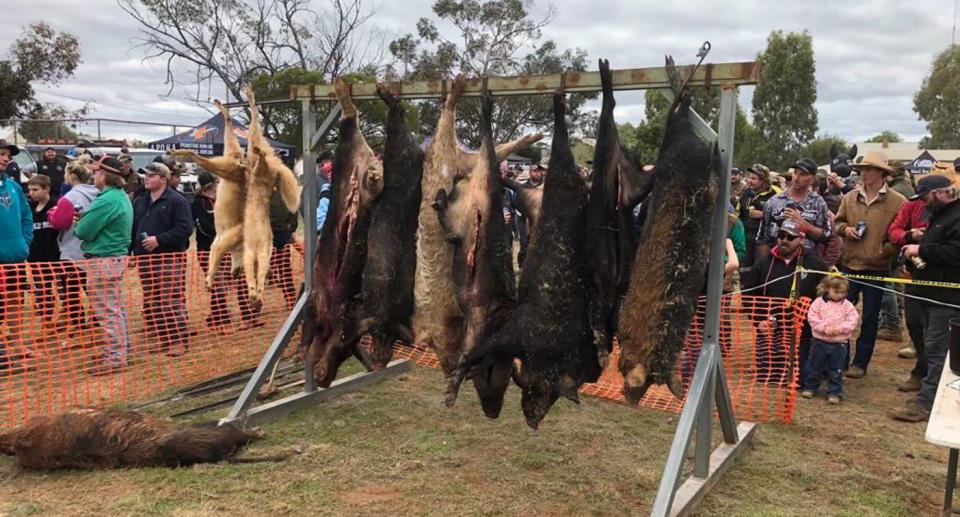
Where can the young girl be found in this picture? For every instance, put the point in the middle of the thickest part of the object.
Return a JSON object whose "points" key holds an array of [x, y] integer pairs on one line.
{"points": [[832, 319]]}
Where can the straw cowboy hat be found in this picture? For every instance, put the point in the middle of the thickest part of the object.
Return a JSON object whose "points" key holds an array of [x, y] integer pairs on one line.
{"points": [[876, 160]]}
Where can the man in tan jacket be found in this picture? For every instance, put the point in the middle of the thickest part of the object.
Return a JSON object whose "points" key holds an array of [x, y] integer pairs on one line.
{"points": [[863, 219]]}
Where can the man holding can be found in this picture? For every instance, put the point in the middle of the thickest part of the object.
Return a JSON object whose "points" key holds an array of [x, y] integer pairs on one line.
{"points": [[863, 219], [939, 249]]}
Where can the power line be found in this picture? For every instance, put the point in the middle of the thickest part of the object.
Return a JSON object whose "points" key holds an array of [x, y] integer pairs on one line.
{"points": [[129, 108]]}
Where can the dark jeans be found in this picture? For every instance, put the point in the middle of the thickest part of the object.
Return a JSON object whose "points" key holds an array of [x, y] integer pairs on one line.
{"points": [[162, 278], [872, 298], [281, 267], [44, 276], [72, 282], [913, 310], [890, 309], [829, 357], [936, 343], [219, 314]]}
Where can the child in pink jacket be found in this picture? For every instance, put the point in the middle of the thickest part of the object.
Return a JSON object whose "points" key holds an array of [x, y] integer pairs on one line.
{"points": [[832, 319]]}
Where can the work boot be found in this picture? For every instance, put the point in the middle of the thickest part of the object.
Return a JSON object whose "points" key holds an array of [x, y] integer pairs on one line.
{"points": [[807, 394], [855, 372], [894, 335], [911, 412], [833, 400], [911, 384], [907, 352]]}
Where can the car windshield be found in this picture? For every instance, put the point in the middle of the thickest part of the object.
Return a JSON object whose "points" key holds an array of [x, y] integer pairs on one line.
{"points": [[141, 160], [23, 158]]}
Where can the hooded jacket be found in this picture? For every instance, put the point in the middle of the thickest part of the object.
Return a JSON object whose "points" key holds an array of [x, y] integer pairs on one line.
{"points": [[16, 222], [830, 321], [940, 248], [61, 218]]}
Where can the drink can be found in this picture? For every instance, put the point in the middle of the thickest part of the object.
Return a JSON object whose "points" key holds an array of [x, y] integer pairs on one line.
{"points": [[861, 228]]}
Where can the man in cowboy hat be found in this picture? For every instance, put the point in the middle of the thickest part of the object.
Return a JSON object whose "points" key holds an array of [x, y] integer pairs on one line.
{"points": [[863, 219]]}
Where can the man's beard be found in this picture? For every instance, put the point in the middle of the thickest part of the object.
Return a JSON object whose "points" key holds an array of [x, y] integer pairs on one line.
{"points": [[934, 205]]}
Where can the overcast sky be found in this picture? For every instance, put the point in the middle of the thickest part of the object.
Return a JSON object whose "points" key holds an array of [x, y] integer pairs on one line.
{"points": [[871, 55]]}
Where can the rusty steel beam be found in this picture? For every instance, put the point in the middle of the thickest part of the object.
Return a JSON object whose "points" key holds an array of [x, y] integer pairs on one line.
{"points": [[737, 74]]}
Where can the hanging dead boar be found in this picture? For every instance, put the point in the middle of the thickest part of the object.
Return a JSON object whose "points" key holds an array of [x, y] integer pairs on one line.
{"points": [[387, 289], [483, 275], [671, 258], [437, 319], [617, 185], [329, 328], [548, 330], [109, 438]]}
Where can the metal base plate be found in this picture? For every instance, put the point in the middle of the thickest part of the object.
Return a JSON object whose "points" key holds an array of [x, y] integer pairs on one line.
{"points": [[693, 489]]}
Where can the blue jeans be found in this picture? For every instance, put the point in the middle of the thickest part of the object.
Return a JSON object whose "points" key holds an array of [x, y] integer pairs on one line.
{"points": [[872, 298], [890, 309], [830, 357], [936, 343]]}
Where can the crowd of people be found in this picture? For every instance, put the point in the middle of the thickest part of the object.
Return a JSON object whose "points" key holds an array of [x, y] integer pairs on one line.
{"points": [[78, 229], [872, 226]]}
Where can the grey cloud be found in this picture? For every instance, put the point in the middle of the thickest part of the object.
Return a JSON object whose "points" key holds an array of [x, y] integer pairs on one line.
{"points": [[871, 55]]}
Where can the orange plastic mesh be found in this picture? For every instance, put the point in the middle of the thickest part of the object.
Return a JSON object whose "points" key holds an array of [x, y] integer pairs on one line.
{"points": [[63, 318], [759, 340]]}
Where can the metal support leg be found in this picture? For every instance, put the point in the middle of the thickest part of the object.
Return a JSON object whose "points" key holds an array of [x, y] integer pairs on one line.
{"points": [[951, 482], [708, 385]]}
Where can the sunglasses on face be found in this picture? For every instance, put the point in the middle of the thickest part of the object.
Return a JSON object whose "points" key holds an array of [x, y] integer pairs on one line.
{"points": [[787, 237]]}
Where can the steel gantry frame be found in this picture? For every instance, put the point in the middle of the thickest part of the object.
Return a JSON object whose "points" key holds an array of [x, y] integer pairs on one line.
{"points": [[708, 386]]}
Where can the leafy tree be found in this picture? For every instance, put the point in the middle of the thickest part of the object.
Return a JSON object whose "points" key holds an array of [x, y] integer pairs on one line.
{"points": [[492, 36], [886, 136], [819, 148], [35, 129], [938, 100], [783, 110], [42, 55]]}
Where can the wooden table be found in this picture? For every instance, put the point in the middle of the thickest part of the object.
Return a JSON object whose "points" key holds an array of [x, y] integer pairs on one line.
{"points": [[943, 428]]}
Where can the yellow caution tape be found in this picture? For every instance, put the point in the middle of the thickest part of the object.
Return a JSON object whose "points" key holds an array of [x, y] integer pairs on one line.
{"points": [[910, 281]]}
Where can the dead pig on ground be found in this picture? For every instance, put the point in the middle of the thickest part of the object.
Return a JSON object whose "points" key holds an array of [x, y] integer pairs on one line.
{"points": [[329, 327], [671, 258], [483, 276], [109, 438], [387, 288], [548, 330]]}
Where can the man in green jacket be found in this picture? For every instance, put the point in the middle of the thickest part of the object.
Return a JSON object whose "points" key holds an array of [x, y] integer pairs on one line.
{"points": [[105, 229]]}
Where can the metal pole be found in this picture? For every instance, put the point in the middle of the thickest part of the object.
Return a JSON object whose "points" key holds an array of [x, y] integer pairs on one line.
{"points": [[698, 408], [16, 137], [309, 194], [98, 130]]}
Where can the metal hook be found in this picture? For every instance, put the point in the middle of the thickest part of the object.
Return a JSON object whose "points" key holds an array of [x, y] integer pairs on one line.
{"points": [[702, 54]]}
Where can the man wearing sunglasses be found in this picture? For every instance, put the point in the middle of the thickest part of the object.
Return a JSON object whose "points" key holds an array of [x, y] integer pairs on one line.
{"points": [[772, 280]]}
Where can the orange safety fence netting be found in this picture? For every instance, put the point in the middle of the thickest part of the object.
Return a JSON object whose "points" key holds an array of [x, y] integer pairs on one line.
{"points": [[759, 340], [116, 330], [121, 330]]}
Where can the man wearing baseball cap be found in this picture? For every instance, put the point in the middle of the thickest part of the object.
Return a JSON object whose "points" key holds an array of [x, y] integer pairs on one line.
{"points": [[752, 202], [864, 217], [939, 247], [800, 204], [162, 225]]}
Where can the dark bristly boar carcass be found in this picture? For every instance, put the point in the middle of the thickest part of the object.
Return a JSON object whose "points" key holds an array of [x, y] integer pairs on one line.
{"points": [[549, 330], [329, 327], [437, 319], [472, 216], [387, 289], [109, 438], [671, 258], [617, 185]]}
